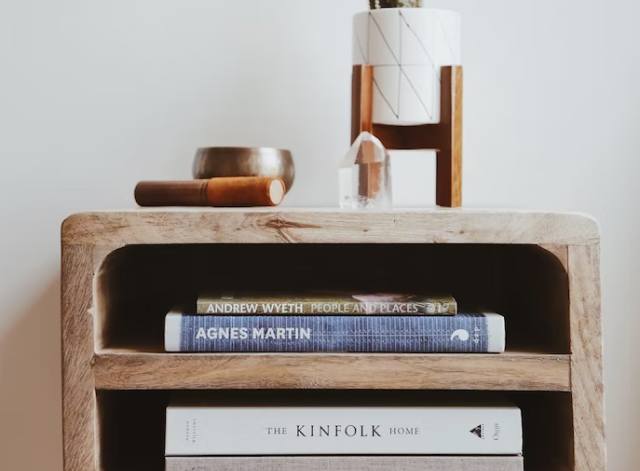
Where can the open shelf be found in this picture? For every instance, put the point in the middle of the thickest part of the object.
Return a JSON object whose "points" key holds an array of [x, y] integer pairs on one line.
{"points": [[518, 371], [137, 285], [132, 424], [122, 271]]}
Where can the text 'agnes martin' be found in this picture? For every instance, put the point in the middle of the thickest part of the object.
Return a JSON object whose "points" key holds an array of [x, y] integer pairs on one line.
{"points": [[244, 333]]}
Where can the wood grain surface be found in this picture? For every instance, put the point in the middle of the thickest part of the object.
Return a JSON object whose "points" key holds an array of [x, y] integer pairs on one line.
{"points": [[216, 192], [577, 419], [587, 383], [511, 371], [78, 393], [361, 100], [561, 252], [423, 136], [449, 155], [184, 226]]}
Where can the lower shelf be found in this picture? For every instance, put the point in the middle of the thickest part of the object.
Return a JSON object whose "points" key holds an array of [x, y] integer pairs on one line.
{"points": [[517, 371], [132, 425]]}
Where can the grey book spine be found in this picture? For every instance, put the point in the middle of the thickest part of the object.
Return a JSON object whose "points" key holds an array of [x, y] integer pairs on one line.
{"points": [[463, 333], [348, 463]]}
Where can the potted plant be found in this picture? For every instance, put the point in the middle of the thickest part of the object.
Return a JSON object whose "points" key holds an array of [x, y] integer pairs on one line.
{"points": [[407, 46]]}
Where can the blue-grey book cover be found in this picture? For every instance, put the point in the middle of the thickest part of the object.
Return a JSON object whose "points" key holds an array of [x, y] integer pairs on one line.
{"points": [[463, 333]]}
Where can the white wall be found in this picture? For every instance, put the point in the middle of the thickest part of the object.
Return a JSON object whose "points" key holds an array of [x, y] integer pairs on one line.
{"points": [[96, 95]]}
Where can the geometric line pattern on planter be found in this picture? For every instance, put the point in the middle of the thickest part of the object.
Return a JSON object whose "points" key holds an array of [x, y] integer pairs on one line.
{"points": [[396, 112]]}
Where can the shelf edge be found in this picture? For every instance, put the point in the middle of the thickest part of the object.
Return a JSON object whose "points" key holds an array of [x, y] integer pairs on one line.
{"points": [[511, 371]]}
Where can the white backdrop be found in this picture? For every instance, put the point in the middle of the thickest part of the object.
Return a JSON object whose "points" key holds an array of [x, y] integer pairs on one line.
{"points": [[96, 95]]}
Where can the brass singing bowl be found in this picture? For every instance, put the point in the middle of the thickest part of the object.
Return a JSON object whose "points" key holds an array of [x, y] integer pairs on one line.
{"points": [[211, 162]]}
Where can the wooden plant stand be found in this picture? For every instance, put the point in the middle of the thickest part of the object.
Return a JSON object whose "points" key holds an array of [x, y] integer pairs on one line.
{"points": [[444, 137], [121, 271]]}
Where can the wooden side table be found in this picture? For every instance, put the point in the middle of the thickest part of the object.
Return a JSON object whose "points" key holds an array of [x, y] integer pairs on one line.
{"points": [[121, 270]]}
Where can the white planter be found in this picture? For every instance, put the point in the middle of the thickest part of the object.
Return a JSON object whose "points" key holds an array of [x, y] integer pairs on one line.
{"points": [[407, 47]]}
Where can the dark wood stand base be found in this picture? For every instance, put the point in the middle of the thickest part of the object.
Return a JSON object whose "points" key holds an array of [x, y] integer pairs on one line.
{"points": [[444, 137]]}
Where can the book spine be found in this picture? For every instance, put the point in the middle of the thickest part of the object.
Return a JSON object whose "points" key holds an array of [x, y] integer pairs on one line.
{"points": [[427, 308], [347, 463], [464, 333], [264, 431]]}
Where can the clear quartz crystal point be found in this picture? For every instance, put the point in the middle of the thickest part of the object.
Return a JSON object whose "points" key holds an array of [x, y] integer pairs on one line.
{"points": [[365, 175]]}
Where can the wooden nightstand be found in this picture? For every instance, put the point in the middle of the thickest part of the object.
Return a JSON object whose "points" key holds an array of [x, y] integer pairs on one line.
{"points": [[122, 270]]}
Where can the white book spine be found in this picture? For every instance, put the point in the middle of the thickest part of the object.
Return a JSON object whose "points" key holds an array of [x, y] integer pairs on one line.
{"points": [[450, 430]]}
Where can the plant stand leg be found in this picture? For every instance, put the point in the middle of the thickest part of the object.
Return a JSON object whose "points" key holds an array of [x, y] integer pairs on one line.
{"points": [[361, 101], [449, 154]]}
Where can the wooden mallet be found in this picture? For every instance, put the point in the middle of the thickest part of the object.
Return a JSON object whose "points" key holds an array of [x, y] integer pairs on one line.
{"points": [[217, 192]]}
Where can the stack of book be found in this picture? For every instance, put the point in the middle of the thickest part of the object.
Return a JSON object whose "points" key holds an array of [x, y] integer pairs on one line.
{"points": [[367, 323], [322, 435], [415, 435]]}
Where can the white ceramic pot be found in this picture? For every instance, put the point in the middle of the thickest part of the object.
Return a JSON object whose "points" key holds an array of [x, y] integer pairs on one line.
{"points": [[407, 47]]}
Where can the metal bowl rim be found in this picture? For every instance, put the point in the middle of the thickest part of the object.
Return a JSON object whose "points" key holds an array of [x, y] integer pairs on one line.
{"points": [[244, 149]]}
